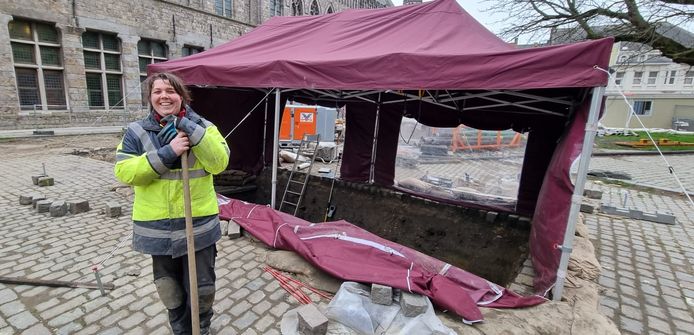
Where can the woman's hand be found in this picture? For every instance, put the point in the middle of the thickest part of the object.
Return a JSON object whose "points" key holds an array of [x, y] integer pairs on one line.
{"points": [[180, 143]]}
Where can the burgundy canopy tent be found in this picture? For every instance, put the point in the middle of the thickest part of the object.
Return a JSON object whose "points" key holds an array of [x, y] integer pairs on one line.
{"points": [[432, 62]]}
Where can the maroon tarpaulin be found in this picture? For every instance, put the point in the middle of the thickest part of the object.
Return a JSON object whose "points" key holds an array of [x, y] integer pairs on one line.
{"points": [[351, 253], [435, 52], [436, 45]]}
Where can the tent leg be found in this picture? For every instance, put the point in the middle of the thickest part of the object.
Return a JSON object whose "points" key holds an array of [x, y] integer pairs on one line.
{"points": [[275, 148], [372, 167], [264, 131], [577, 197]]}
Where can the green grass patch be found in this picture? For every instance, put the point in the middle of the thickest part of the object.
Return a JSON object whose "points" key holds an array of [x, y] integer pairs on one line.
{"points": [[608, 142]]}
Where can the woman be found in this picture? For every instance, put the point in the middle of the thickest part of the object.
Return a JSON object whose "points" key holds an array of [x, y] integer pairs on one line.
{"points": [[148, 158]]}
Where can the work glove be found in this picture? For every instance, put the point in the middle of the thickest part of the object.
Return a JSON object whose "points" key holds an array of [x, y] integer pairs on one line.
{"points": [[168, 132]]}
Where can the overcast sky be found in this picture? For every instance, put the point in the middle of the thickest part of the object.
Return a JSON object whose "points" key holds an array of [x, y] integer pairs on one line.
{"points": [[475, 9]]}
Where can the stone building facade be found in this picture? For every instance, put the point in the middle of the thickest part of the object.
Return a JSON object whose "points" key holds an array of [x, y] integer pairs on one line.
{"points": [[80, 62]]}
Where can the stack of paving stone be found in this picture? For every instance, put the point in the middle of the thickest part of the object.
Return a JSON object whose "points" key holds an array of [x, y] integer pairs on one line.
{"points": [[54, 208], [591, 201], [42, 180], [411, 304]]}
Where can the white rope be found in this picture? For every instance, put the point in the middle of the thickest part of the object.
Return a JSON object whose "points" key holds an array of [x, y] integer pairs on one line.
{"points": [[249, 114], [409, 288], [96, 265], [671, 169], [274, 240]]}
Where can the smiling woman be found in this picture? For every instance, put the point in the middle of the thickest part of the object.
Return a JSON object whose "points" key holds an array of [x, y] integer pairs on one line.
{"points": [[152, 164]]}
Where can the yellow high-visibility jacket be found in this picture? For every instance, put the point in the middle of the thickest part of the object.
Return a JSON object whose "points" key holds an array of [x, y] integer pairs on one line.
{"points": [[155, 172]]}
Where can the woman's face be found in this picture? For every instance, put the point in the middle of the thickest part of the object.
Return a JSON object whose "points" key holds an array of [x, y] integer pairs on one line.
{"points": [[164, 98]]}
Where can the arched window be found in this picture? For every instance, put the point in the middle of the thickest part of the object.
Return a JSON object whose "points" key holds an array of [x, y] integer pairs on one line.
{"points": [[297, 8], [330, 10], [314, 8]]}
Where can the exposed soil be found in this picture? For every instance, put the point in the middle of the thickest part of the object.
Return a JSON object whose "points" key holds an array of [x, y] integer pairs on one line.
{"points": [[96, 146]]}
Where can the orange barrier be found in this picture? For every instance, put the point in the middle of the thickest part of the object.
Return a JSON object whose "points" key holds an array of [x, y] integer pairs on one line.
{"points": [[459, 142]]}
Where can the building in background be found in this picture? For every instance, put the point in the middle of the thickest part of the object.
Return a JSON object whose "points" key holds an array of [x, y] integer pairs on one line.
{"points": [[660, 91], [81, 62]]}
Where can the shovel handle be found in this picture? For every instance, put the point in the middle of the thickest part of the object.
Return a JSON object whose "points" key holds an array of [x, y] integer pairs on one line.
{"points": [[190, 239]]}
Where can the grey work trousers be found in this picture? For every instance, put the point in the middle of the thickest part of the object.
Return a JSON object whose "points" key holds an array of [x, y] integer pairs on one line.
{"points": [[172, 282]]}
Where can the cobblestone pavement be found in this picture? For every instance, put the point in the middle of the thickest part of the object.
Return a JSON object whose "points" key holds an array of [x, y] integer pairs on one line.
{"points": [[647, 274], [37, 246], [651, 170]]}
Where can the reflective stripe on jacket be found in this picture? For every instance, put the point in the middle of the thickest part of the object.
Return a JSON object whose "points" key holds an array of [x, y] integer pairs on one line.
{"points": [[155, 172]]}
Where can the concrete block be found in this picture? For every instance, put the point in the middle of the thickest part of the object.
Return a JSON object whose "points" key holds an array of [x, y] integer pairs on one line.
{"points": [[25, 199], [78, 206], [224, 226], [234, 230], [636, 214], [311, 320], [524, 222], [665, 218], [35, 179], [381, 294], [412, 304], [112, 209], [491, 216], [46, 181], [593, 194], [43, 206], [614, 210], [587, 208], [58, 208], [36, 198]]}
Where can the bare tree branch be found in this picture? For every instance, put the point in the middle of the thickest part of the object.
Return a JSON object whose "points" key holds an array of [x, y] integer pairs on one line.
{"points": [[655, 23]]}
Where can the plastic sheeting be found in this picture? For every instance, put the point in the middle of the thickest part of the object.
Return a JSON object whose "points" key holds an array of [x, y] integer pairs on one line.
{"points": [[351, 253]]}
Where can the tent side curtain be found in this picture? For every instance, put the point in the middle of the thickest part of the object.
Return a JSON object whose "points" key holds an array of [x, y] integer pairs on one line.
{"points": [[226, 108], [554, 203]]}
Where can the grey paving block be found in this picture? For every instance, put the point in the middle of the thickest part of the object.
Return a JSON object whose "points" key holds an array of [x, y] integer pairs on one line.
{"points": [[224, 226], [311, 320], [43, 206], [234, 230], [636, 214], [665, 218], [25, 199], [587, 208], [112, 209], [381, 294], [593, 194], [614, 210], [58, 208], [35, 179], [491, 216], [524, 222], [412, 304], [36, 198], [46, 181], [78, 206]]}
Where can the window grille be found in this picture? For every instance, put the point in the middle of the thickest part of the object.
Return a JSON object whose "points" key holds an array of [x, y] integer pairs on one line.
{"points": [[104, 75]]}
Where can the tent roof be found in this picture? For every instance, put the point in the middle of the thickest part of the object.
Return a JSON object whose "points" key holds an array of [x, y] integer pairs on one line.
{"points": [[436, 45]]}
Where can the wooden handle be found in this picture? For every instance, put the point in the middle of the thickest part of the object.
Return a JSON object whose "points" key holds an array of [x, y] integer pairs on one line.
{"points": [[190, 238]]}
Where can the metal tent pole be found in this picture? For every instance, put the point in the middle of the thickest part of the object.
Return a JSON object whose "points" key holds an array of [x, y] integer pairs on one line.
{"points": [[577, 197], [275, 147], [264, 130], [372, 168]]}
